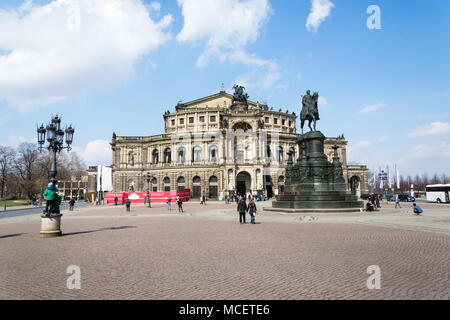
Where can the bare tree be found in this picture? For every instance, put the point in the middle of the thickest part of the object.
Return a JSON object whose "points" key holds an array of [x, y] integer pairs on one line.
{"points": [[27, 169], [434, 180], [7, 156]]}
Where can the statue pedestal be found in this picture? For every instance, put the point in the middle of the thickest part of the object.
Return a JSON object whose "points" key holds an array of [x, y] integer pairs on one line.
{"points": [[50, 226], [315, 184]]}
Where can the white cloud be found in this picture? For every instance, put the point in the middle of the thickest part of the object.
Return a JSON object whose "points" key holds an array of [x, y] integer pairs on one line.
{"points": [[433, 129], [432, 150], [59, 50], [156, 6], [15, 140], [227, 27], [371, 108], [320, 10], [97, 152], [363, 144]]}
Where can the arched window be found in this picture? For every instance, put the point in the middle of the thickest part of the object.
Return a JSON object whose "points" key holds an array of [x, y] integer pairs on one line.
{"points": [[180, 183], [213, 179], [155, 156], [213, 154], [166, 184], [154, 185], [197, 154], [196, 180], [181, 155], [168, 155], [280, 155], [292, 152]]}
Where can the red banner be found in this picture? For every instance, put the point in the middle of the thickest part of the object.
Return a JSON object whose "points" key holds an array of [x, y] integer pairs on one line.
{"points": [[155, 197]]}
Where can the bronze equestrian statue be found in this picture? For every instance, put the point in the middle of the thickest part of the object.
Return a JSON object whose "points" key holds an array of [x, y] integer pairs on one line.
{"points": [[310, 110]]}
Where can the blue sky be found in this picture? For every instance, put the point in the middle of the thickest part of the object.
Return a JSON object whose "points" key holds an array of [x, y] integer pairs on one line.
{"points": [[386, 90]]}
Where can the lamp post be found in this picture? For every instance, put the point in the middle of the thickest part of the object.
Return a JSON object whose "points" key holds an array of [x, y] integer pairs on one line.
{"points": [[149, 179], [383, 176], [51, 221]]}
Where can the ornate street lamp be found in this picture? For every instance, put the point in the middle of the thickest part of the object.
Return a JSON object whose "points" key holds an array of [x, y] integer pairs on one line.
{"points": [[55, 138], [149, 179]]}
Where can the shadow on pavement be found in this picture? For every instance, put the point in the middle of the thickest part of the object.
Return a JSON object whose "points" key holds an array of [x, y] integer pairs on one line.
{"points": [[11, 235], [102, 229]]}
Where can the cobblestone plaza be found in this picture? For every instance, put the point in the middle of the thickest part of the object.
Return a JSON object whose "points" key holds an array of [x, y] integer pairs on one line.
{"points": [[204, 253]]}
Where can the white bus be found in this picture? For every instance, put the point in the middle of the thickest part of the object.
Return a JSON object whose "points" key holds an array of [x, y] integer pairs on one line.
{"points": [[438, 193]]}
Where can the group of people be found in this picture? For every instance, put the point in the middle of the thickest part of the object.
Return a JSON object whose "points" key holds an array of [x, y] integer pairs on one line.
{"points": [[178, 201], [236, 198], [374, 203], [243, 207]]}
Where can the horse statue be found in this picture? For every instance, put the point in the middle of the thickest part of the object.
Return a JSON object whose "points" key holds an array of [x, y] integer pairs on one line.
{"points": [[239, 94], [310, 110]]}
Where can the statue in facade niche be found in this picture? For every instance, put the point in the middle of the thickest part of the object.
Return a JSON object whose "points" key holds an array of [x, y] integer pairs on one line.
{"points": [[224, 123], [131, 158], [261, 124]]}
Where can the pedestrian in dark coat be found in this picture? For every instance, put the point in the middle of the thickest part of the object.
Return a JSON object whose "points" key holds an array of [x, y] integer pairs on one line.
{"points": [[242, 209], [180, 205], [128, 205]]}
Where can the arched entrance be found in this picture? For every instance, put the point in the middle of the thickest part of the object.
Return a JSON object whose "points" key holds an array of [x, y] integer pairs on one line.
{"points": [[269, 186], [213, 188], [243, 183], [355, 186], [196, 187], [242, 125]]}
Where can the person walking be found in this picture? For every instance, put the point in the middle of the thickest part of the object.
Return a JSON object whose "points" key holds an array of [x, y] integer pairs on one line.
{"points": [[128, 205], [71, 204], [252, 211], [397, 202], [116, 201], [242, 209], [169, 204], [417, 210], [377, 201], [180, 205]]}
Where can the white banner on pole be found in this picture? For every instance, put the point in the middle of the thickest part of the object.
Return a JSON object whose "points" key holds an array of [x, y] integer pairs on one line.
{"points": [[104, 178]]}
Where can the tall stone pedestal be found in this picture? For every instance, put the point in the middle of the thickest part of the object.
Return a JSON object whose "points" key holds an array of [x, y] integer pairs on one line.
{"points": [[313, 184], [50, 226]]}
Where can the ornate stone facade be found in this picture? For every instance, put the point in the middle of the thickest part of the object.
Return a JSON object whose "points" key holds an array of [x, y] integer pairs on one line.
{"points": [[216, 146]]}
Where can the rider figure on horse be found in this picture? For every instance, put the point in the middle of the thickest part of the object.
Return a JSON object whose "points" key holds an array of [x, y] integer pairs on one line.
{"points": [[310, 110]]}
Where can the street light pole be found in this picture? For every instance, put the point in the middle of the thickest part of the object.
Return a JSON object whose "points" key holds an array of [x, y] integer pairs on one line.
{"points": [[51, 221], [149, 179]]}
